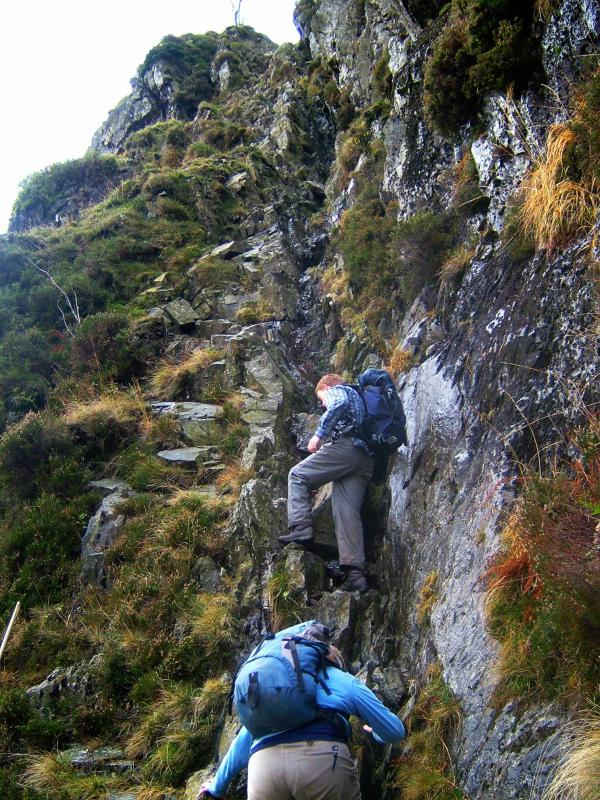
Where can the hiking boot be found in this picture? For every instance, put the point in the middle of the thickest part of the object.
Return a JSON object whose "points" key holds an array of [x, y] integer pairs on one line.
{"points": [[355, 581], [336, 573], [297, 536]]}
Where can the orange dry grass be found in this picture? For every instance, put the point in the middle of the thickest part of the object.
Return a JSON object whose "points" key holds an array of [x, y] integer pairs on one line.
{"points": [[116, 407], [231, 479], [169, 378], [544, 8], [578, 775], [400, 361], [516, 566], [457, 262], [556, 208]]}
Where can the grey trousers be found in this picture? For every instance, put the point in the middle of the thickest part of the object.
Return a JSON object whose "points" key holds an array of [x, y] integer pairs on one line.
{"points": [[316, 770], [350, 469]]}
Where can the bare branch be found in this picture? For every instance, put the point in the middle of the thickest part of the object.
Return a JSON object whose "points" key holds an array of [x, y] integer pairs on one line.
{"points": [[73, 305], [236, 6]]}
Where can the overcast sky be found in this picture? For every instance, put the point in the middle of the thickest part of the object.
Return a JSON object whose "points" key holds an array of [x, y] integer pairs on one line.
{"points": [[66, 63]]}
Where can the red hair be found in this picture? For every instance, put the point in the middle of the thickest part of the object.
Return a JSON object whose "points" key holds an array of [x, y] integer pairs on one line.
{"points": [[327, 381]]}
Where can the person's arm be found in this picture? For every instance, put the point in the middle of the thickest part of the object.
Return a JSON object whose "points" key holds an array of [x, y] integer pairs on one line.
{"points": [[337, 405], [235, 759], [387, 728]]}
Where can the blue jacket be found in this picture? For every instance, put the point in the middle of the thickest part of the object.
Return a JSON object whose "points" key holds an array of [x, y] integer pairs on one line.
{"points": [[348, 695]]}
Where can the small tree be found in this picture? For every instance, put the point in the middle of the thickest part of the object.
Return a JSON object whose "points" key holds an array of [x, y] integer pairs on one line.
{"points": [[236, 6]]}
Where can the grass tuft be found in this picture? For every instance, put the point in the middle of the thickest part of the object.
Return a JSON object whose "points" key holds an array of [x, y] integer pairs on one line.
{"points": [[578, 774], [556, 207], [173, 379], [424, 769], [428, 597]]}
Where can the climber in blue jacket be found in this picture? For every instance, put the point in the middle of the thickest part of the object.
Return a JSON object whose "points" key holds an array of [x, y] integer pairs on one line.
{"points": [[312, 762]]}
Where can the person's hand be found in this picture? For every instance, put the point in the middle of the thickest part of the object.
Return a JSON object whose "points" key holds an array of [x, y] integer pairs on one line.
{"points": [[367, 729], [203, 792], [314, 444]]}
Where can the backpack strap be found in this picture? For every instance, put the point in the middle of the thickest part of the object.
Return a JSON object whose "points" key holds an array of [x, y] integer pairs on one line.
{"points": [[291, 646], [253, 694], [359, 429]]}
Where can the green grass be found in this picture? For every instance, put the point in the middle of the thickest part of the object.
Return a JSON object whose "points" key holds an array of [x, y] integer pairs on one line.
{"points": [[543, 588], [424, 768], [483, 47]]}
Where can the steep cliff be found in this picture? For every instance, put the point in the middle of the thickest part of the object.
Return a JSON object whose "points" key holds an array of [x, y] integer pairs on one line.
{"points": [[410, 186]]}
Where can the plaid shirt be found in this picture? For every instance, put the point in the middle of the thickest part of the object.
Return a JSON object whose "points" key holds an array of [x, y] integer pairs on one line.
{"points": [[345, 411]]}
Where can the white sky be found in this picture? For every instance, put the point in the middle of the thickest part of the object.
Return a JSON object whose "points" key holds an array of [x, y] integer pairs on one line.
{"points": [[66, 63]]}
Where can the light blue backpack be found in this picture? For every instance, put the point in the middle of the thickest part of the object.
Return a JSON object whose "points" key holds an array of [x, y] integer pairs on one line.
{"points": [[275, 688]]}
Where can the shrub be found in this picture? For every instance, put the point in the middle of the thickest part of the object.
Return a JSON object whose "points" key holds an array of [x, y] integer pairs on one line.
{"points": [[424, 10], [210, 618], [29, 449], [187, 59], [254, 311], [400, 361], [223, 134], [199, 149], [556, 207], [40, 545], [153, 142], [417, 250], [55, 777], [382, 78], [105, 344], [27, 362], [105, 422], [362, 240], [428, 597], [178, 732], [285, 603], [145, 472], [214, 273], [52, 186], [561, 196], [455, 263], [484, 47]]}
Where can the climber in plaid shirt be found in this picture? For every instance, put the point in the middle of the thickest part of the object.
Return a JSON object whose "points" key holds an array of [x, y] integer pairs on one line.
{"points": [[347, 462]]}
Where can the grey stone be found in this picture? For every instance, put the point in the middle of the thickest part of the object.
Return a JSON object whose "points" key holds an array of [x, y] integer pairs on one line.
{"points": [[322, 519], [186, 455], [74, 685], [110, 486], [109, 760], [181, 312], [200, 422], [303, 427], [101, 532]]}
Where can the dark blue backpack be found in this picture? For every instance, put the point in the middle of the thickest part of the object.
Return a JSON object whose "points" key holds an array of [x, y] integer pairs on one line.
{"points": [[275, 688], [384, 429]]}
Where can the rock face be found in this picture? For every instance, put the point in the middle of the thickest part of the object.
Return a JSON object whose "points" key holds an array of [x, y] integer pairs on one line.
{"points": [[492, 361], [101, 532], [159, 87]]}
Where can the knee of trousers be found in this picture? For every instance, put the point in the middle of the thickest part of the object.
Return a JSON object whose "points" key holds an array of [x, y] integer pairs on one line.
{"points": [[297, 474]]}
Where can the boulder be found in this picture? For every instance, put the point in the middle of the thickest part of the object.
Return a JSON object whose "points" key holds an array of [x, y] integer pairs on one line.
{"points": [[101, 532], [199, 422], [187, 455], [103, 759], [75, 685], [181, 312]]}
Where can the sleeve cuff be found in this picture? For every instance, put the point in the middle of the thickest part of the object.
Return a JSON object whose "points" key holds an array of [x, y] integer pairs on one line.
{"points": [[320, 433]]}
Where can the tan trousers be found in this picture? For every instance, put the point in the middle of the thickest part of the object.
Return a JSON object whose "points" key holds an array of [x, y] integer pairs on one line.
{"points": [[350, 469], [316, 770]]}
